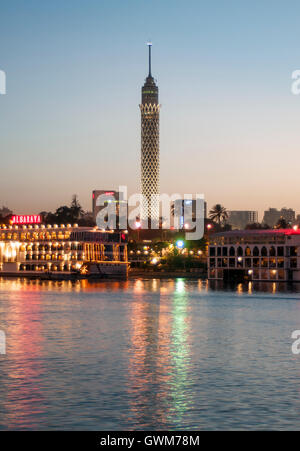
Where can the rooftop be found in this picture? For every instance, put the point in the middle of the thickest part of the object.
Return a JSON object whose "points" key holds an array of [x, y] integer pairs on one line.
{"points": [[259, 232]]}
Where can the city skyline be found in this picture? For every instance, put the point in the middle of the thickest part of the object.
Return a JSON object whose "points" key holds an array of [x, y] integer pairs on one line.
{"points": [[229, 125], [149, 219]]}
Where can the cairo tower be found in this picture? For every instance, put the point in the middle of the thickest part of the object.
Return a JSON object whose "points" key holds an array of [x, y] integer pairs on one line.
{"points": [[150, 147]]}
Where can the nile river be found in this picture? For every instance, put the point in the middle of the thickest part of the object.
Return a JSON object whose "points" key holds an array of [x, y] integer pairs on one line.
{"points": [[148, 355]]}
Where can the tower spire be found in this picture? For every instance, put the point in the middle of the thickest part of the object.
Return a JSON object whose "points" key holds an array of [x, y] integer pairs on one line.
{"points": [[149, 45]]}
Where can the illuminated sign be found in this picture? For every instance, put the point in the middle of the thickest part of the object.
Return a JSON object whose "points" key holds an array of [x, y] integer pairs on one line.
{"points": [[26, 219], [109, 193]]}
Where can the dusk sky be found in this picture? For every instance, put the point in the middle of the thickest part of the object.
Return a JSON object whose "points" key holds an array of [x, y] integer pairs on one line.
{"points": [[70, 120]]}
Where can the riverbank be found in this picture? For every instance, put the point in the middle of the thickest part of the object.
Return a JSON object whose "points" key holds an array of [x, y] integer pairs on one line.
{"points": [[193, 273]]}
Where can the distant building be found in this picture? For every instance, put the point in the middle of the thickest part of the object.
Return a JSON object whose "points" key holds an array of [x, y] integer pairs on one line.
{"points": [[182, 206], [268, 255], [272, 216], [4, 211], [111, 196], [288, 214], [238, 219]]}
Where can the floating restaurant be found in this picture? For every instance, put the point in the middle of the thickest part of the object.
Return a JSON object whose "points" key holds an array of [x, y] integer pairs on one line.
{"points": [[52, 251], [263, 255]]}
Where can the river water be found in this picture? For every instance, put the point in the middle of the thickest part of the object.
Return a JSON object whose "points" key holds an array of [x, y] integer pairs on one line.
{"points": [[148, 355]]}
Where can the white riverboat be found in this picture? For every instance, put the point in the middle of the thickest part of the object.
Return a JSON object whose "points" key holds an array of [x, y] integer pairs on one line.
{"points": [[52, 251]]}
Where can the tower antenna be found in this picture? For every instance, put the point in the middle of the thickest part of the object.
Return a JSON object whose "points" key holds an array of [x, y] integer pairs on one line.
{"points": [[149, 45]]}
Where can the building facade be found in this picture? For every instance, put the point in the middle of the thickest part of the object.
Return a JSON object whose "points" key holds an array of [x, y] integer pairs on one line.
{"points": [[150, 109], [238, 219], [255, 255]]}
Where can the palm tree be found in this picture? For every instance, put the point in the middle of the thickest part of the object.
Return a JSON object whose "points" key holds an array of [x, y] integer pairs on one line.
{"points": [[218, 213]]}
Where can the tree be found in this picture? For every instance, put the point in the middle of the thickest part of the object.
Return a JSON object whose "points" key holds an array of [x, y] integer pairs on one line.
{"points": [[6, 219], [64, 215], [256, 226], [87, 220], [76, 208], [282, 224], [219, 214], [68, 215]]}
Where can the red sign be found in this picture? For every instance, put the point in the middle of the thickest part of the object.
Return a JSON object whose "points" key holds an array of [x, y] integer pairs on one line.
{"points": [[26, 219]]}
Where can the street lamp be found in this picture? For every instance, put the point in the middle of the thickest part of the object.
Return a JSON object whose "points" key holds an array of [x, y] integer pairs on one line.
{"points": [[138, 226], [209, 227], [179, 244]]}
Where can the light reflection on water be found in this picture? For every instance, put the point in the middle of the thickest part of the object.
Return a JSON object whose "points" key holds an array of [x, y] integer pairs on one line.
{"points": [[148, 354], [159, 357]]}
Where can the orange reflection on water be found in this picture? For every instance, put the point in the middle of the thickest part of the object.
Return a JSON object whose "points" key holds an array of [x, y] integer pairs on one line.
{"points": [[239, 288], [138, 286], [250, 287], [66, 286]]}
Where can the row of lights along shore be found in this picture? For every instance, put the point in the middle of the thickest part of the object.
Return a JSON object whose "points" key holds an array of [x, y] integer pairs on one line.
{"points": [[49, 226]]}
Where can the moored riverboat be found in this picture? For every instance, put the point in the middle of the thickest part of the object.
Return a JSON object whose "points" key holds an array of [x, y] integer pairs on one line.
{"points": [[61, 252]]}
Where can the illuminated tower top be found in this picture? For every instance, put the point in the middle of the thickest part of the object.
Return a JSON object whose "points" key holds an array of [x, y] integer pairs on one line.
{"points": [[150, 147], [150, 90]]}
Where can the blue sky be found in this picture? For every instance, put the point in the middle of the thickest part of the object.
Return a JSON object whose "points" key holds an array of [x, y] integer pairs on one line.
{"points": [[70, 121]]}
